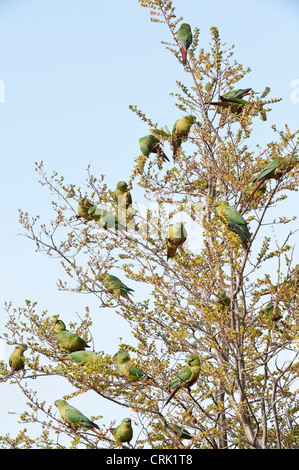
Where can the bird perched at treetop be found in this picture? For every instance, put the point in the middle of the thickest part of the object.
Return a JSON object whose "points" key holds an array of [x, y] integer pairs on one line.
{"points": [[115, 286], [17, 359], [150, 144], [132, 374], [187, 376], [66, 340], [176, 236], [275, 169], [123, 432], [185, 39], [180, 132], [74, 417], [122, 195], [233, 100], [234, 220], [81, 357]]}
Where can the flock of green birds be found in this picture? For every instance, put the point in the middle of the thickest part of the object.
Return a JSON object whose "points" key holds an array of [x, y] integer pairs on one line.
{"points": [[74, 346], [74, 349]]}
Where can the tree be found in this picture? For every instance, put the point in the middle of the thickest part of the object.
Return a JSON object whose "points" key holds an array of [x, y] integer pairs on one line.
{"points": [[217, 302]]}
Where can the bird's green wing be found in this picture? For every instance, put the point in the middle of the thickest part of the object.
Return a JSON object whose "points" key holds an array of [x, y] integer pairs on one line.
{"points": [[237, 223], [79, 356], [184, 375], [180, 432], [116, 282], [269, 169], [184, 36], [135, 372], [75, 416], [239, 93], [234, 216], [234, 100]]}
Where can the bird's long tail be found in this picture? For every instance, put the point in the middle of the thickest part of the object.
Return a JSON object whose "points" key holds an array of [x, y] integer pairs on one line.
{"points": [[171, 251], [165, 158], [175, 146], [184, 55], [171, 395], [252, 192], [64, 358], [128, 298], [96, 431], [150, 381]]}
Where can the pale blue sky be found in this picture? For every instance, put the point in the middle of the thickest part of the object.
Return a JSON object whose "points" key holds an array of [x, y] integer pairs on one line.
{"points": [[70, 69]]}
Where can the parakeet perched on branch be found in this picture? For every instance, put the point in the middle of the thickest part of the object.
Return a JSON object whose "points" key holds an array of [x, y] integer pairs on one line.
{"points": [[66, 340], [176, 236], [272, 312], [115, 286], [150, 144], [275, 169], [17, 359], [186, 377], [185, 39], [180, 132], [123, 432], [132, 374], [234, 220], [182, 433], [83, 208], [233, 100], [81, 357], [74, 417], [122, 195]]}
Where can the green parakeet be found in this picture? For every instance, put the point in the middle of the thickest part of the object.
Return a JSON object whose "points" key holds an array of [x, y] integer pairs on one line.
{"points": [[132, 374], [180, 432], [180, 132], [186, 377], [83, 207], [234, 220], [122, 195], [199, 184], [185, 39], [275, 169], [74, 417], [81, 357], [271, 312], [233, 100], [150, 144], [123, 432], [176, 236], [66, 340], [17, 359], [115, 286], [107, 220], [223, 301]]}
